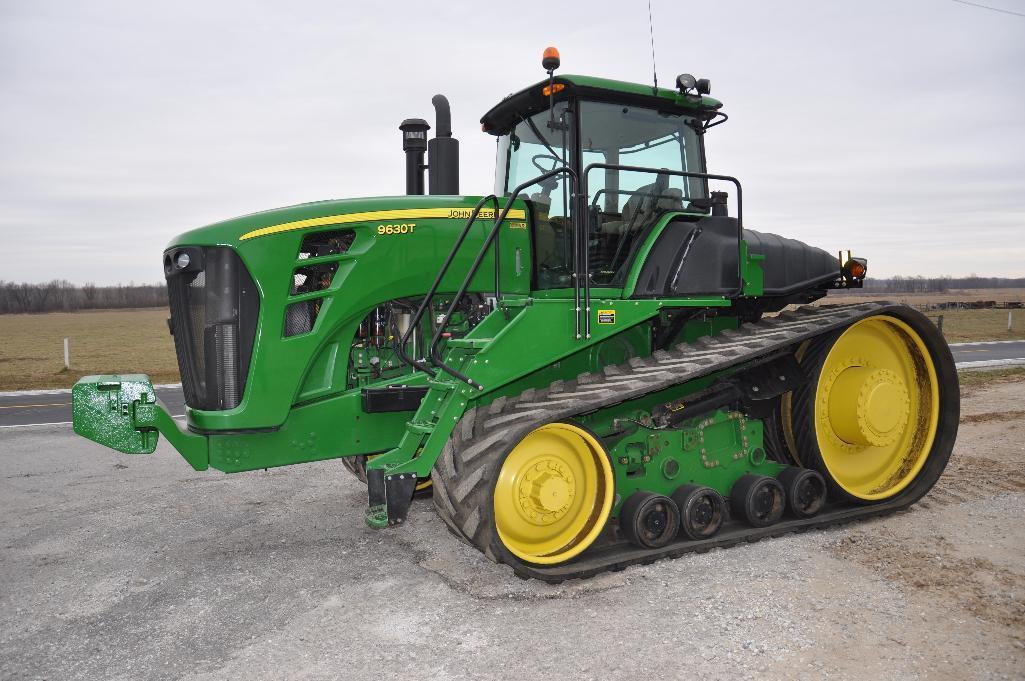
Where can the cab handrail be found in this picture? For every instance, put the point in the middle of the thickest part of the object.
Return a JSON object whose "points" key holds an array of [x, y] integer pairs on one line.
{"points": [[433, 355]]}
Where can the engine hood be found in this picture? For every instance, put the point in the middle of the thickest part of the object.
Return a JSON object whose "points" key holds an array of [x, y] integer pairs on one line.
{"points": [[254, 226]]}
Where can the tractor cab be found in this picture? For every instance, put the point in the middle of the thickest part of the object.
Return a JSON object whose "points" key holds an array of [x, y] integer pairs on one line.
{"points": [[636, 152], [618, 157]]}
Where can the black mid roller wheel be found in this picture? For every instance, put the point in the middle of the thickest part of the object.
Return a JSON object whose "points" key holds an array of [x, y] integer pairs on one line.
{"points": [[805, 490], [758, 499], [649, 520], [702, 511]]}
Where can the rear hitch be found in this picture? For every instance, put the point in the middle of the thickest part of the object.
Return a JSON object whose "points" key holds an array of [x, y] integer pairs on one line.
{"points": [[390, 497]]}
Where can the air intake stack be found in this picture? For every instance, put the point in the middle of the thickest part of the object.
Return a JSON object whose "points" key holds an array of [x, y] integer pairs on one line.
{"points": [[414, 143]]}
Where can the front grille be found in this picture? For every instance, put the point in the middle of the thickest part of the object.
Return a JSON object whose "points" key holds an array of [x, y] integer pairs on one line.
{"points": [[214, 310]]}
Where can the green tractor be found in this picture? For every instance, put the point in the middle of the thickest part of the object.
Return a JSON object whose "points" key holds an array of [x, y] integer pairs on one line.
{"points": [[597, 365]]}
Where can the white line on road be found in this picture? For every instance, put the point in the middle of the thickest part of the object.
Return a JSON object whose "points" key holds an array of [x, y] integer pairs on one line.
{"points": [[990, 363], [964, 345], [32, 425], [61, 423], [65, 391]]}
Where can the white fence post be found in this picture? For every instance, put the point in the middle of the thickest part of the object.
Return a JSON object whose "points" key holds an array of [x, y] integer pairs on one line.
{"points": [[67, 355]]}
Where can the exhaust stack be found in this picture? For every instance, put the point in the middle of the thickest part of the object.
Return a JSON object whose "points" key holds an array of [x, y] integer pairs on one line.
{"points": [[443, 151]]}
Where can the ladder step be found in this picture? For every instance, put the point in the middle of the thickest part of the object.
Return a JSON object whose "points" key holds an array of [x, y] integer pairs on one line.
{"points": [[418, 427], [525, 301], [469, 343]]}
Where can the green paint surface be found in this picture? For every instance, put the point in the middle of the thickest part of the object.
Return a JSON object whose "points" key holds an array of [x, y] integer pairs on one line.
{"points": [[713, 450]]}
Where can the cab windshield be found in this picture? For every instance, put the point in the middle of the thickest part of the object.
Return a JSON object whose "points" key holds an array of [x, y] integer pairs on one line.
{"points": [[622, 204], [535, 146]]}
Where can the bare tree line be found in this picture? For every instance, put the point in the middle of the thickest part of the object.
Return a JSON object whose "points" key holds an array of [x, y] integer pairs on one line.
{"points": [[919, 284], [61, 295]]}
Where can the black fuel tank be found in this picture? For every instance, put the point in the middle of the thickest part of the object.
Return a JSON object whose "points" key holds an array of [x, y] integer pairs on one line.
{"points": [[700, 258]]}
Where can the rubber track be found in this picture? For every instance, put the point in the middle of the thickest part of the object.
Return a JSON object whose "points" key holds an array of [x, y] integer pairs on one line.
{"points": [[463, 485], [357, 465]]}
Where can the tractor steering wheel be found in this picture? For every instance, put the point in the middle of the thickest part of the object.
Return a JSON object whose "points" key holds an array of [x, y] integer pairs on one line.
{"points": [[545, 157]]}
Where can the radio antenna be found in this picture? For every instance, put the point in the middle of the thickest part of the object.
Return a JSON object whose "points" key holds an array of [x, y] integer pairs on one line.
{"points": [[651, 32]]}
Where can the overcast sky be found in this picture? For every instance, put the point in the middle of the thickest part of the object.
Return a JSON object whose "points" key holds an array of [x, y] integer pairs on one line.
{"points": [[896, 129]]}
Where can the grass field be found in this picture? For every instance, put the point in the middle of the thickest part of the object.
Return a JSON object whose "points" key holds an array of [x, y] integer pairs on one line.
{"points": [[974, 379], [137, 341], [962, 326], [1000, 295], [959, 326], [102, 342]]}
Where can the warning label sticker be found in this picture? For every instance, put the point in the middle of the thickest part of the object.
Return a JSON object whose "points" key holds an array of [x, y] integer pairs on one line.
{"points": [[606, 316]]}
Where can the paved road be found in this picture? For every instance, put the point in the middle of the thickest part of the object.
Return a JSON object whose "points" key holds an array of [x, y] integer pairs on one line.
{"points": [[30, 408], [968, 354], [54, 407], [137, 567]]}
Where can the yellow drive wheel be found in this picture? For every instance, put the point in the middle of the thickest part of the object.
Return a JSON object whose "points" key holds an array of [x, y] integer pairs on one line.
{"points": [[553, 494], [869, 415]]}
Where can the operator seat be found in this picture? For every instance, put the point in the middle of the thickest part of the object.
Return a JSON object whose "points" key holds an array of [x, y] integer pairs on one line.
{"points": [[643, 206]]}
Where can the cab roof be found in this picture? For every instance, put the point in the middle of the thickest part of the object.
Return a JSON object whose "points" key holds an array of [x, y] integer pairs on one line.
{"points": [[528, 101]]}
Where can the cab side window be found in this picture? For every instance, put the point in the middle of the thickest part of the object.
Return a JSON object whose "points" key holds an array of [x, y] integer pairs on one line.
{"points": [[624, 204]]}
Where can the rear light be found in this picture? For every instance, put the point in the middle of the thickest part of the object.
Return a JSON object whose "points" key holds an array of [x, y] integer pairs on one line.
{"points": [[855, 268]]}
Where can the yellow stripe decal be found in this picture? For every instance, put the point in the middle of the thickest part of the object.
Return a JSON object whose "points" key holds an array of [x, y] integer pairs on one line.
{"points": [[381, 216]]}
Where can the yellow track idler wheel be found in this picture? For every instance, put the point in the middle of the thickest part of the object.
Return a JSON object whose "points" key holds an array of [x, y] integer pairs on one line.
{"points": [[542, 501], [553, 494], [878, 413], [357, 465]]}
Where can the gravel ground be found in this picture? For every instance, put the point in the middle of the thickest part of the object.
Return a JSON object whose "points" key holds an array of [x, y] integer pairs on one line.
{"points": [[136, 568]]}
